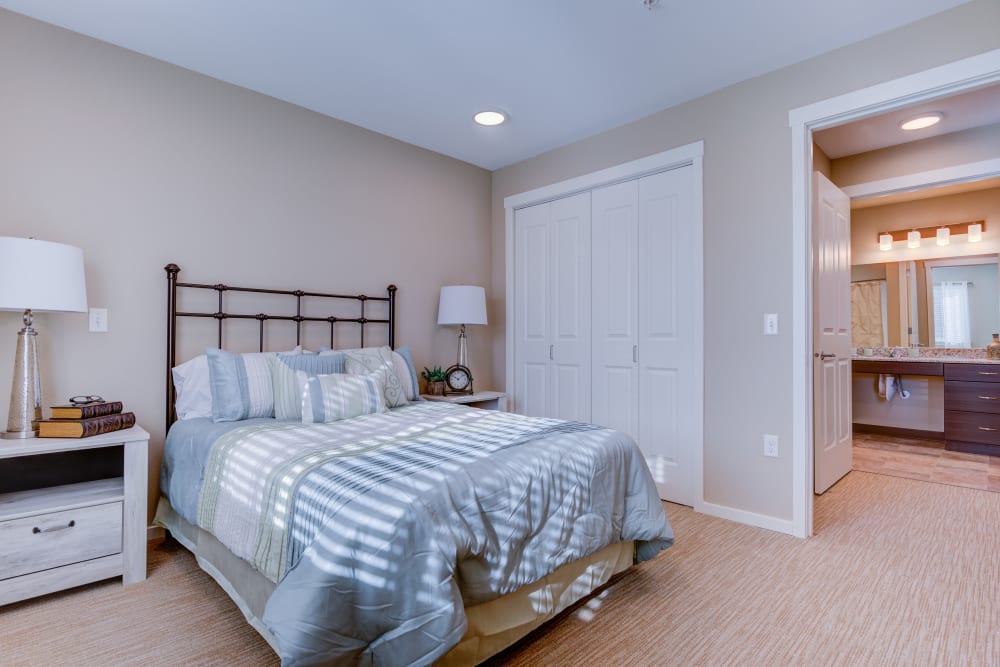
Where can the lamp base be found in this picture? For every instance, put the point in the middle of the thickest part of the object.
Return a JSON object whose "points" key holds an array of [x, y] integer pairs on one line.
{"points": [[26, 389]]}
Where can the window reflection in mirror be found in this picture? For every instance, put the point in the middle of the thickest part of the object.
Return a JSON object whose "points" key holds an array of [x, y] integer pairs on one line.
{"points": [[948, 302]]}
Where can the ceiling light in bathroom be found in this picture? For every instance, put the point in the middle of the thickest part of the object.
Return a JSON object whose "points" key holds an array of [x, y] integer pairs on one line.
{"points": [[490, 118], [943, 236], [885, 242], [922, 121], [913, 239]]}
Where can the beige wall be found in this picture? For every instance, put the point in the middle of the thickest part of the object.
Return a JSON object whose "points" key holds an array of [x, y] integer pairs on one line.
{"points": [[140, 163], [748, 249], [947, 150]]}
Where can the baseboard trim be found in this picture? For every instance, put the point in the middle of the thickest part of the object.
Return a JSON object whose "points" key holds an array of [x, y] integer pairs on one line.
{"points": [[155, 534], [898, 432], [749, 518]]}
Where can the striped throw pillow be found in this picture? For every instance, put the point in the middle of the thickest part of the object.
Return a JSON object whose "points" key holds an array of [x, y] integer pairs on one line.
{"points": [[329, 398], [241, 385], [288, 390]]}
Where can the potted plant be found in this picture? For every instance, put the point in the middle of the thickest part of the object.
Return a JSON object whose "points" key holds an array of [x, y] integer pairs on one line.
{"points": [[434, 377]]}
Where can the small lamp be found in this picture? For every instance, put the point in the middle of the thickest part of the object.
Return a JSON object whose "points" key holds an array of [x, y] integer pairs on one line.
{"points": [[975, 233], [42, 276], [943, 236], [913, 239], [462, 304], [885, 242]]}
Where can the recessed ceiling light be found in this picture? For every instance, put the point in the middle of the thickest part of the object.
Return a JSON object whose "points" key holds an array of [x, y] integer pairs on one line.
{"points": [[922, 121], [490, 117]]}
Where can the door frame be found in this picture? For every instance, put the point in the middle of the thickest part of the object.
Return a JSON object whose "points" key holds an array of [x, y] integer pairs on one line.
{"points": [[943, 81], [688, 155]]}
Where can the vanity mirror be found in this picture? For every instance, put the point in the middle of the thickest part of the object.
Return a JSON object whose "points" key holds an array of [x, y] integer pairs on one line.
{"points": [[945, 302]]}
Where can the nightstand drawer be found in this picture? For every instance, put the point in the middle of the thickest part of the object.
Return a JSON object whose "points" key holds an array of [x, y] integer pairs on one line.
{"points": [[44, 541]]}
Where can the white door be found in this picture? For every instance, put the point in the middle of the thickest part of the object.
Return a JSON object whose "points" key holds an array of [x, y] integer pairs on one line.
{"points": [[552, 309], [531, 320], [670, 400], [569, 281], [615, 395], [831, 333]]}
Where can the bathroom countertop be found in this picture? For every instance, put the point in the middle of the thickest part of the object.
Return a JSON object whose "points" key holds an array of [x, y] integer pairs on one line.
{"points": [[929, 359]]}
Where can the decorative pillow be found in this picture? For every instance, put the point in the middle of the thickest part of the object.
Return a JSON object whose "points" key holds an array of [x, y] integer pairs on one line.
{"points": [[371, 359], [241, 385], [288, 390], [194, 388], [407, 376], [329, 398]]}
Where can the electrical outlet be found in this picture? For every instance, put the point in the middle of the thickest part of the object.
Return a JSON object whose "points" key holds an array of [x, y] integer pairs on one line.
{"points": [[770, 445], [99, 320], [770, 324]]}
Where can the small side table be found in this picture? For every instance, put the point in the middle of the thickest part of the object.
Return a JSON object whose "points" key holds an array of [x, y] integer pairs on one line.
{"points": [[58, 537], [487, 400]]}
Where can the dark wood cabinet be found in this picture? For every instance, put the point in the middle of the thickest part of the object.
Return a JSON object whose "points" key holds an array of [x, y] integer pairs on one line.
{"points": [[972, 408]]}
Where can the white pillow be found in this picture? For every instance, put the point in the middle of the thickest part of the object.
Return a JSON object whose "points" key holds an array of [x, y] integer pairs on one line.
{"points": [[193, 384]]}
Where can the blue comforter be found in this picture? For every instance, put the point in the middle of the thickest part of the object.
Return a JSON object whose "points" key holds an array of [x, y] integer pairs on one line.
{"points": [[379, 530]]}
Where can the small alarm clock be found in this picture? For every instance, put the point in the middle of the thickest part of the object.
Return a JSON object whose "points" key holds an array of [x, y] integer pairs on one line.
{"points": [[458, 380]]}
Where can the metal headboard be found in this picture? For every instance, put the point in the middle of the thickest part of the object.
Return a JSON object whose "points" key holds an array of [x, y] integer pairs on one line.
{"points": [[221, 316]]}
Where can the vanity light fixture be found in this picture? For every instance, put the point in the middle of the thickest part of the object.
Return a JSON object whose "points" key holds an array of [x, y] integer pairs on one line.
{"points": [[942, 234], [490, 118], [922, 121]]}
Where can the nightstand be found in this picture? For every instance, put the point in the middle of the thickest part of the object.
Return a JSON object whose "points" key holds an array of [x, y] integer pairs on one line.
{"points": [[57, 537], [487, 400]]}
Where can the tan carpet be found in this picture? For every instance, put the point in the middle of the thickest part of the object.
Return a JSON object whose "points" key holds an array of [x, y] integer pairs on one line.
{"points": [[901, 572]]}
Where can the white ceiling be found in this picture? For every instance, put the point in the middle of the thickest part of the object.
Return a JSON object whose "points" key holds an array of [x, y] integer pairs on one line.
{"points": [[417, 71]]}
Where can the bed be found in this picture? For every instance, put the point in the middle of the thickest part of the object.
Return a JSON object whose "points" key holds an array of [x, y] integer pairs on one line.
{"points": [[376, 528]]}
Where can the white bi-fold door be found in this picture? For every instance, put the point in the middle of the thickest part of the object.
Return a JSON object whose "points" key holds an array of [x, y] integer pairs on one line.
{"points": [[643, 333], [552, 313]]}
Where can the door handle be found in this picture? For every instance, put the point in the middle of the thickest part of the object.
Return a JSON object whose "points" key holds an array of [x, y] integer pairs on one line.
{"points": [[635, 354], [550, 351], [822, 356]]}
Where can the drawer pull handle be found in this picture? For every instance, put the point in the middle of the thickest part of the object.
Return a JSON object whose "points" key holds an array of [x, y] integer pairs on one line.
{"points": [[988, 398], [36, 530], [986, 428], [989, 373]]}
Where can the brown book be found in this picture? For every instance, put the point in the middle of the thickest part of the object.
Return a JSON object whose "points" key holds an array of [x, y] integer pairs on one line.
{"points": [[86, 411], [84, 428]]}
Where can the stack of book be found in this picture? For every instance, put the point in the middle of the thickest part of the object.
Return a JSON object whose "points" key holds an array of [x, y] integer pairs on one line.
{"points": [[82, 421]]}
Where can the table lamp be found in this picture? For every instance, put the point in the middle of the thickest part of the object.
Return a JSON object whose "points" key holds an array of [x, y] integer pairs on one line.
{"points": [[36, 276], [462, 304]]}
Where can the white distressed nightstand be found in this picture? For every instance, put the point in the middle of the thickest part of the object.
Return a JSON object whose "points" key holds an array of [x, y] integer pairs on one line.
{"points": [[487, 400], [57, 537]]}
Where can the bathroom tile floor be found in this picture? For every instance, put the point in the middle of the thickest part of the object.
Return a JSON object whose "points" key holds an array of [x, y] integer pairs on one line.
{"points": [[925, 460]]}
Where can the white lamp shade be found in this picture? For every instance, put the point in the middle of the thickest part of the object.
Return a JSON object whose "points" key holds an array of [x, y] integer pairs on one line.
{"points": [[885, 242], [975, 233], [943, 236], [462, 304], [41, 276], [913, 239]]}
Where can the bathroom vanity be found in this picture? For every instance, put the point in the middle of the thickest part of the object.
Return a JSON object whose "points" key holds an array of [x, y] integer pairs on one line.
{"points": [[971, 396]]}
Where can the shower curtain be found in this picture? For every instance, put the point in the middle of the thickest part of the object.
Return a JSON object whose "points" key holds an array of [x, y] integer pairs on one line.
{"points": [[867, 314]]}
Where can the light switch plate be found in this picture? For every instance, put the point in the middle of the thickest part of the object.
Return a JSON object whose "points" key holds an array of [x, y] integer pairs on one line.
{"points": [[770, 324], [99, 320]]}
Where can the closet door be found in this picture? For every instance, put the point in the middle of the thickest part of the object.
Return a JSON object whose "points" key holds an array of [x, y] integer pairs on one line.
{"points": [[532, 238], [552, 308], [570, 309], [670, 407], [615, 390]]}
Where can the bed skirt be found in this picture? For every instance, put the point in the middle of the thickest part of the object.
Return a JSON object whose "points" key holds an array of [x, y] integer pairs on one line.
{"points": [[492, 626]]}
